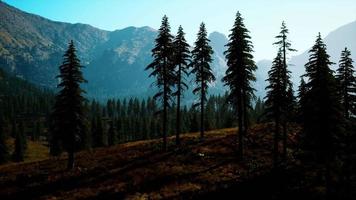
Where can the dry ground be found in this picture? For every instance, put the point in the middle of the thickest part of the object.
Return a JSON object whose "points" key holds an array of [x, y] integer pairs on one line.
{"points": [[140, 170]]}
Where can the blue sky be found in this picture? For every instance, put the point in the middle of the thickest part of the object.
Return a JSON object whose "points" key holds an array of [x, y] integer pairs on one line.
{"points": [[305, 18]]}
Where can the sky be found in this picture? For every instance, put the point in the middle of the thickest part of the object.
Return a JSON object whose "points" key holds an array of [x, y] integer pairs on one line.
{"points": [[263, 18]]}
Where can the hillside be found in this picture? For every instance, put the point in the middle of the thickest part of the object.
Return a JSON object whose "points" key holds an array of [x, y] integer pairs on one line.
{"points": [[139, 170], [31, 47], [18, 96], [13, 86]]}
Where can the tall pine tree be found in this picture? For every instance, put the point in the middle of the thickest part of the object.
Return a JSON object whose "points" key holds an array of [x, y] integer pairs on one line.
{"points": [[239, 75], [112, 134], [347, 83], [4, 153], [68, 117], [323, 119], [181, 61], [287, 87], [347, 91], [302, 91], [20, 144], [201, 61], [163, 70], [274, 101]]}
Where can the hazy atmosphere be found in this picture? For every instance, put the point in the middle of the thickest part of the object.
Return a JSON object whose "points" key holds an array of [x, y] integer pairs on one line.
{"points": [[305, 18]]}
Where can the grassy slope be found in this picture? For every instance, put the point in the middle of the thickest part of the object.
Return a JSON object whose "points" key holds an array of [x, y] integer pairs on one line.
{"points": [[36, 151], [139, 170]]}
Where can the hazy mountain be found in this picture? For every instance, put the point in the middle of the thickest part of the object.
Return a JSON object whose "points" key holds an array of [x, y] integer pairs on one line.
{"points": [[31, 47], [263, 66], [118, 69], [218, 42], [336, 41]]}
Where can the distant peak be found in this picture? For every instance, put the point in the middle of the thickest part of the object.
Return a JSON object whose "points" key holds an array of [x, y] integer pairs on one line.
{"points": [[217, 35], [134, 28]]}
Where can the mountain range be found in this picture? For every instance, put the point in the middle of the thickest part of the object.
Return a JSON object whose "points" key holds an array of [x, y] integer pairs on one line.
{"points": [[31, 47]]}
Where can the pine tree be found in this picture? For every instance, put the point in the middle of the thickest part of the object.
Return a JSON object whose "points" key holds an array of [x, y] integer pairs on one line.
{"points": [[347, 83], [323, 119], [201, 68], [259, 110], [274, 101], [239, 75], [99, 139], [4, 153], [287, 87], [302, 91], [112, 134], [181, 60], [163, 69], [37, 128], [347, 91], [193, 120], [20, 144], [68, 117]]}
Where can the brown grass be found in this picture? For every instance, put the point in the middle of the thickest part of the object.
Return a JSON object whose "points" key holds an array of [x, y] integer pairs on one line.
{"points": [[140, 170]]}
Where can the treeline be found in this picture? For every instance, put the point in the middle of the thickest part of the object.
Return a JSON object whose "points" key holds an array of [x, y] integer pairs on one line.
{"points": [[18, 96], [26, 109], [133, 119]]}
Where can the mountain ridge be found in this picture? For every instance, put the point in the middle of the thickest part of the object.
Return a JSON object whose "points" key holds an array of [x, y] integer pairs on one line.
{"points": [[32, 46]]}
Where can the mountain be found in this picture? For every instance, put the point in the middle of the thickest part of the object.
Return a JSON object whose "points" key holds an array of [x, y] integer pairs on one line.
{"points": [[31, 47], [118, 69], [11, 86], [336, 41], [218, 42], [263, 66]]}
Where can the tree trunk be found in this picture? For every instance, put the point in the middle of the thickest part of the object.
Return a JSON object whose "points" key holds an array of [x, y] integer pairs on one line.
{"points": [[178, 107], [70, 164], [245, 114], [165, 127], [165, 105], [202, 112], [328, 180], [240, 131], [276, 141], [284, 155], [285, 139]]}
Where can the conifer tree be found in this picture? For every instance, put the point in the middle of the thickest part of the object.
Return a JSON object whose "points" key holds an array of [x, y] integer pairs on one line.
{"points": [[347, 83], [68, 117], [287, 87], [112, 134], [239, 75], [4, 153], [99, 139], [323, 119], [274, 101], [302, 91], [201, 68], [181, 61], [347, 91], [163, 70], [20, 144]]}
